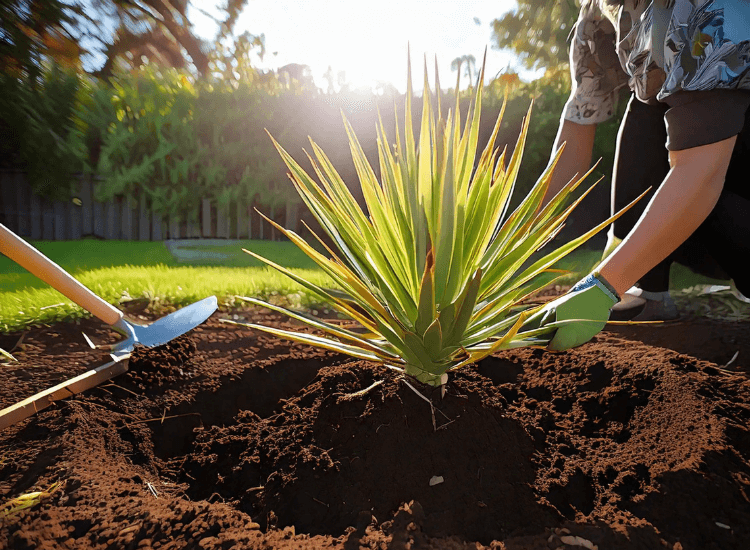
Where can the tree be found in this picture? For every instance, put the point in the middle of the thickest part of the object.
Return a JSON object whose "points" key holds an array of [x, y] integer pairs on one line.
{"points": [[35, 31], [470, 64], [40, 77], [328, 77], [231, 60], [538, 30], [119, 31], [158, 31], [154, 30]]}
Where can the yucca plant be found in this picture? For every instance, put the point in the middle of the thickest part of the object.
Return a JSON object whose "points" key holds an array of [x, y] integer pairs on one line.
{"points": [[436, 272]]}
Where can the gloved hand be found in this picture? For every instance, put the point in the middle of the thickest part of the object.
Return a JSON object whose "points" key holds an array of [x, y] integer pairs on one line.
{"points": [[586, 305]]}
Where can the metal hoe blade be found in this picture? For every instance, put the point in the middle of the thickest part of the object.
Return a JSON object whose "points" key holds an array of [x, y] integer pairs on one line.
{"points": [[163, 330]]}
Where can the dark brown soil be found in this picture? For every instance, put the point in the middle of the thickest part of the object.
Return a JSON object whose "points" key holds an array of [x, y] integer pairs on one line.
{"points": [[228, 438]]}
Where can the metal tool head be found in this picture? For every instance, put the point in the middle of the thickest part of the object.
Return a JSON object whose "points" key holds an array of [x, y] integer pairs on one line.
{"points": [[163, 330]]}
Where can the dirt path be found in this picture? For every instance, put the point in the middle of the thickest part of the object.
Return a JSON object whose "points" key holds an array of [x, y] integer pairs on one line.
{"points": [[229, 438]]}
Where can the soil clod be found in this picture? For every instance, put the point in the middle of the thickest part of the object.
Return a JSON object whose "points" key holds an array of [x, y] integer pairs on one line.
{"points": [[230, 438]]}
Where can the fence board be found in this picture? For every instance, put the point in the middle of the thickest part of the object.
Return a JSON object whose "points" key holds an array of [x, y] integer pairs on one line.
{"points": [[75, 221], [61, 214], [87, 209], [35, 217], [206, 218], [222, 222], [98, 227], [157, 227], [143, 220], [48, 221], [242, 225], [269, 233], [281, 220], [292, 221], [126, 221], [251, 214], [256, 230], [8, 196], [22, 205], [193, 228], [111, 220], [174, 227]]}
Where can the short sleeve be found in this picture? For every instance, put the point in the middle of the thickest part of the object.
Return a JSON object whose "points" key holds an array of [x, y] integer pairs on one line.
{"points": [[595, 70], [701, 118]]}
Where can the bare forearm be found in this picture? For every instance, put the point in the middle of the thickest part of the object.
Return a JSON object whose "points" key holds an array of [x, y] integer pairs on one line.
{"points": [[682, 203], [575, 159]]}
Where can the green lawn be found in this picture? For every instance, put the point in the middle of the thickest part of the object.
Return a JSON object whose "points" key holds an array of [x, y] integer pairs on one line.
{"points": [[89, 254], [119, 271]]}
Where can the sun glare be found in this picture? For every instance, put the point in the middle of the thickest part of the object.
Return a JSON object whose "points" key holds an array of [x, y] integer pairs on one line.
{"points": [[365, 43]]}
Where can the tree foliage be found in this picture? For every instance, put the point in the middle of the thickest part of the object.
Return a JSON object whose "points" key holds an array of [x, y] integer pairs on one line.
{"points": [[154, 30], [35, 31], [469, 64], [537, 30], [109, 33], [38, 128]]}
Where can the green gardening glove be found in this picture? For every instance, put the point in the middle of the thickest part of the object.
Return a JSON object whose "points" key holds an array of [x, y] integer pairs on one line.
{"points": [[586, 306]]}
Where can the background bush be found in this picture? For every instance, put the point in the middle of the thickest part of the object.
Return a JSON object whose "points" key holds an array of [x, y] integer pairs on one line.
{"points": [[175, 139], [40, 129]]}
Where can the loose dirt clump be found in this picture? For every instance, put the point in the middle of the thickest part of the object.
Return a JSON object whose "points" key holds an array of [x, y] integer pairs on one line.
{"points": [[230, 438], [153, 368]]}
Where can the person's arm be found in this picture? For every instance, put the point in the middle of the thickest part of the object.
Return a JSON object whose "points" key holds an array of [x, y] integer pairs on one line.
{"points": [[684, 200], [575, 159], [596, 76]]}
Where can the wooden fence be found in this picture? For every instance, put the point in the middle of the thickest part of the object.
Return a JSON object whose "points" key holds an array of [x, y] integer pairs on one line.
{"points": [[34, 217]]}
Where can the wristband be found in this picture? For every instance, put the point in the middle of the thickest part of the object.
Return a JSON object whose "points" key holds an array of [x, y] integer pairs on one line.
{"points": [[595, 279]]}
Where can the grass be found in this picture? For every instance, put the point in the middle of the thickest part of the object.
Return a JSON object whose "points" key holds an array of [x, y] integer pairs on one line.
{"points": [[233, 256], [84, 255], [120, 271]]}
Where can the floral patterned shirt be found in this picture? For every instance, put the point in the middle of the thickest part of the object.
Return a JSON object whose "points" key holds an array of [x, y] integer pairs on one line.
{"points": [[704, 45]]}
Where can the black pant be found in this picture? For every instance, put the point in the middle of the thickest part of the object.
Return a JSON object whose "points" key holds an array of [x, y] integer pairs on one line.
{"points": [[642, 161]]}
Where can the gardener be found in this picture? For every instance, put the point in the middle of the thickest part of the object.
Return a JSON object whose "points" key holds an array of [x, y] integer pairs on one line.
{"points": [[699, 81]]}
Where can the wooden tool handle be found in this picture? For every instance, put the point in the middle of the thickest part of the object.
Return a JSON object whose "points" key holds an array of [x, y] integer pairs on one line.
{"points": [[48, 271], [35, 403]]}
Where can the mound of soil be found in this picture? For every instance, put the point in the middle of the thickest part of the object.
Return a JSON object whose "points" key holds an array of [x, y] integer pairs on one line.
{"points": [[230, 438]]}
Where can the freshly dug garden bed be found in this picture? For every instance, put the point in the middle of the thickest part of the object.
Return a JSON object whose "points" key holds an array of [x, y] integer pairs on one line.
{"points": [[230, 438]]}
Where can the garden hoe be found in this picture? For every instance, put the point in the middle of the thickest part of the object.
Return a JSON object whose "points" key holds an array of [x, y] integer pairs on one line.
{"points": [[158, 333]]}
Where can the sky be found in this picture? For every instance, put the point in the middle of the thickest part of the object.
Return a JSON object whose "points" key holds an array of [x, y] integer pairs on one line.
{"points": [[368, 40]]}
